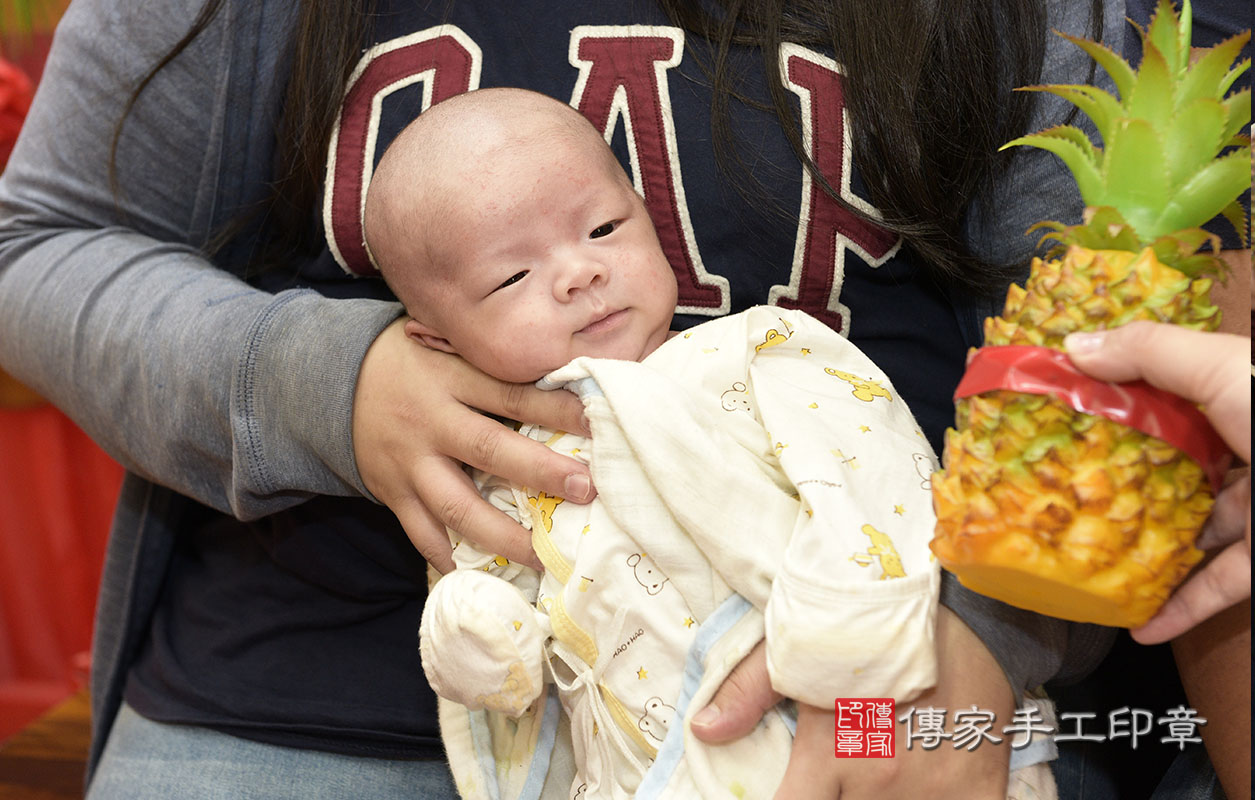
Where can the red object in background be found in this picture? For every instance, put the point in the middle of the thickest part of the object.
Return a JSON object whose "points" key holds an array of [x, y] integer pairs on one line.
{"points": [[57, 493], [16, 91], [27, 51]]}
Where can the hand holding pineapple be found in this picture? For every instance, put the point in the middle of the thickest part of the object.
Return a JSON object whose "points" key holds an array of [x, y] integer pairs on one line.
{"points": [[1209, 369], [1050, 508]]}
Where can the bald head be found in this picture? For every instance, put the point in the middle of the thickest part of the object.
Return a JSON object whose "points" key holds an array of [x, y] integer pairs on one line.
{"points": [[482, 119], [446, 161], [504, 223]]}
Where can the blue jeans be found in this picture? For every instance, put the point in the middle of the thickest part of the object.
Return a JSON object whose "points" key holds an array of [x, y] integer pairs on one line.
{"points": [[146, 760], [1141, 677], [1082, 775]]}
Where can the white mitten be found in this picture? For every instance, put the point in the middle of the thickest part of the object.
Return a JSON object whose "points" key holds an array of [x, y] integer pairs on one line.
{"points": [[480, 643]]}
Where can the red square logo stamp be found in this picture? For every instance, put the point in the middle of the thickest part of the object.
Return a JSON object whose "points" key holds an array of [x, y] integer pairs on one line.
{"points": [[864, 727]]}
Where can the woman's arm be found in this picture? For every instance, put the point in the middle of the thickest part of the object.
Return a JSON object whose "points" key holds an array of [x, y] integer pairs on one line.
{"points": [[188, 376]]}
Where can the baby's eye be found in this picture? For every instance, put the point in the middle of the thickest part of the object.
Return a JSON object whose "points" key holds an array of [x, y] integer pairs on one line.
{"points": [[604, 229], [512, 279]]}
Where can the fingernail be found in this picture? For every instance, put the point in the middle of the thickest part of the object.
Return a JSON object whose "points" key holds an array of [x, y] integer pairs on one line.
{"points": [[1081, 343], [587, 429], [706, 716], [576, 487]]}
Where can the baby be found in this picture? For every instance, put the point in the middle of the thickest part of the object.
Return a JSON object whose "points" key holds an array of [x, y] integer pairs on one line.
{"points": [[758, 477], [508, 229]]}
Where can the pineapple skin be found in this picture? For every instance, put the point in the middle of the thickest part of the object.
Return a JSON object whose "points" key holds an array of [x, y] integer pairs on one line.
{"points": [[1061, 512]]}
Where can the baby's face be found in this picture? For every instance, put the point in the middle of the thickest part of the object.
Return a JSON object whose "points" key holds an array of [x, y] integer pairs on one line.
{"points": [[548, 256]]}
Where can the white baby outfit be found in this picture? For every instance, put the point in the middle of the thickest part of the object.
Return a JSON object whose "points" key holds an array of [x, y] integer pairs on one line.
{"points": [[757, 476]]}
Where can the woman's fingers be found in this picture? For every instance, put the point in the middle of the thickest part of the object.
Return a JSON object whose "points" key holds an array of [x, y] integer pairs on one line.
{"points": [[1226, 580], [451, 498], [559, 410], [740, 702], [1207, 368], [1222, 582], [425, 532], [486, 444], [1230, 516]]}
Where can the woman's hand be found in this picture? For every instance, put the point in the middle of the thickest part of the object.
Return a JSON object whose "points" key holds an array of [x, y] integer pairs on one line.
{"points": [[415, 424], [1210, 369], [968, 676]]}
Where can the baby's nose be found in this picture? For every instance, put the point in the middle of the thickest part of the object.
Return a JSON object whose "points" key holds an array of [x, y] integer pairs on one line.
{"points": [[579, 275]]}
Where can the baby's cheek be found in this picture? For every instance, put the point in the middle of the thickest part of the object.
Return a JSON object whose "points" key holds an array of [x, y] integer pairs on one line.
{"points": [[536, 350]]}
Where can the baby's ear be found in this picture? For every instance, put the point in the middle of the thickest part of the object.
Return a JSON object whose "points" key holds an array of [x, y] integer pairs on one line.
{"points": [[428, 336]]}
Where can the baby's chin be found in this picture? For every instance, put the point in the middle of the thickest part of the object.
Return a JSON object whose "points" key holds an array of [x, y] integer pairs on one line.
{"points": [[516, 373]]}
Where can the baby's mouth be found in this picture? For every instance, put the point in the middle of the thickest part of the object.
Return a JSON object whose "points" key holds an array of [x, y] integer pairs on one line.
{"points": [[604, 322]]}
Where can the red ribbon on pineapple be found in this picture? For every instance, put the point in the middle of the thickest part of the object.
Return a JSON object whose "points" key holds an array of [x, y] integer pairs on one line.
{"points": [[1136, 404]]}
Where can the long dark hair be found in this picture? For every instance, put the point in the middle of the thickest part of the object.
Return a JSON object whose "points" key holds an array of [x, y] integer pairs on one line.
{"points": [[927, 90], [325, 47]]}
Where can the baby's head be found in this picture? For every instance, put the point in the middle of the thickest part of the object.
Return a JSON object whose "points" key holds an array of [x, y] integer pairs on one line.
{"points": [[505, 225]]}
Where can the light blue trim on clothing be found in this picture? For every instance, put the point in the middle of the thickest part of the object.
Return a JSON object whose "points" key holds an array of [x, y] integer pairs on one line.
{"points": [[535, 782], [1041, 749], [583, 387], [481, 741], [672, 751], [537, 771]]}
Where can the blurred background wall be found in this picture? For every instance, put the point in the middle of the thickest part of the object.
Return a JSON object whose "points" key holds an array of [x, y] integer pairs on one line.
{"points": [[57, 489]]}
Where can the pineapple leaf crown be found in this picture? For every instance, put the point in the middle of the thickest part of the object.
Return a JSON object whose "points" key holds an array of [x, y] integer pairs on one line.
{"points": [[1162, 169]]}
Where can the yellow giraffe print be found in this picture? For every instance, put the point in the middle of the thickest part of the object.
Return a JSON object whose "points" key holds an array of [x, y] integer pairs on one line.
{"points": [[883, 550], [864, 389]]}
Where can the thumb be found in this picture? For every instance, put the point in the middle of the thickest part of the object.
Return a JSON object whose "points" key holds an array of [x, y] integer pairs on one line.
{"points": [[739, 703]]}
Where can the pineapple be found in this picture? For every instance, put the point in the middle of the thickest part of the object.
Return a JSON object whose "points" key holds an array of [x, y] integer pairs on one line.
{"points": [[1049, 508]]}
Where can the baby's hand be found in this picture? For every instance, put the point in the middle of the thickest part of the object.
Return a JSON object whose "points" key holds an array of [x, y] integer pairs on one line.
{"points": [[480, 643]]}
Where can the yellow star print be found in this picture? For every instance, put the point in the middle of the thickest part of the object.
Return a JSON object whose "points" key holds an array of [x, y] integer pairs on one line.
{"points": [[899, 510], [689, 622], [641, 674], [864, 428]]}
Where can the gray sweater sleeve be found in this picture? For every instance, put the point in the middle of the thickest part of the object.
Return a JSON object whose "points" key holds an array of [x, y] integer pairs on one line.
{"points": [[188, 376]]}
